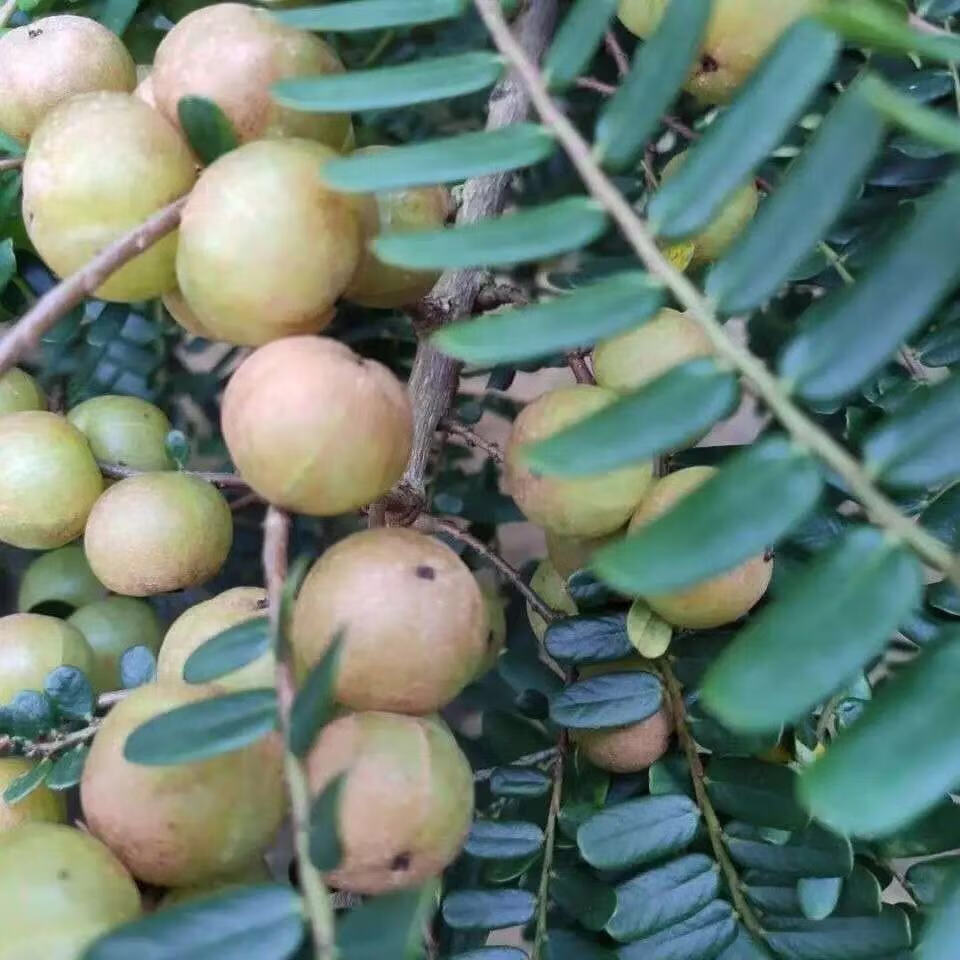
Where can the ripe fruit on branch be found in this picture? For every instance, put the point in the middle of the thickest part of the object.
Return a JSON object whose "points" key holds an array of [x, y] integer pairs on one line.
{"points": [[157, 532], [188, 823], [570, 506], [19, 392], [62, 578], [714, 602], [315, 428], [48, 480], [266, 248], [413, 620], [406, 800], [53, 59], [126, 431], [547, 583], [60, 889], [97, 167], [41, 805]]}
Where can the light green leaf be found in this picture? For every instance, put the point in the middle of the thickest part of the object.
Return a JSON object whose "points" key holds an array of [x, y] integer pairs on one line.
{"points": [[576, 41], [764, 794], [68, 768], [391, 925], [370, 14], [819, 896], [27, 782]]}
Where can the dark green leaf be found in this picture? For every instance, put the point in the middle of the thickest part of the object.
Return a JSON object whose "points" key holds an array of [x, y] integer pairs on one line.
{"points": [[229, 650], [32, 714], [607, 700], [929, 881], [576, 41], [500, 840], [582, 640], [937, 832], [370, 14], [940, 938], [488, 909], [764, 794], [325, 848], [744, 947], [813, 852], [314, 704], [566, 945], [117, 14], [819, 896], [700, 937], [70, 693], [942, 517], [27, 782], [670, 774], [492, 953], [589, 901], [138, 666], [945, 597], [8, 263], [860, 896], [68, 768], [839, 938], [388, 926], [519, 782], [932, 126], [207, 127]]}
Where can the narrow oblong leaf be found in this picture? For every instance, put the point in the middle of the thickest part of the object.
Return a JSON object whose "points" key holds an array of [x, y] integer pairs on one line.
{"points": [[701, 937], [942, 933], [764, 794], [933, 126], [492, 953], [208, 129], [567, 945], [519, 782], [370, 14], [68, 768], [313, 706], [27, 782], [607, 700], [229, 650], [813, 852], [839, 938], [576, 41], [585, 898], [501, 840], [488, 909], [391, 925], [326, 851], [819, 896]]}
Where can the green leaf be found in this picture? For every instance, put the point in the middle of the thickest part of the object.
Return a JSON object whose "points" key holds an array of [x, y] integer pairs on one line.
{"points": [[27, 782], [755, 499], [747, 132], [222, 926], [32, 714], [764, 794], [502, 840], [488, 909], [929, 881], [942, 517], [70, 693], [848, 336], [939, 939], [385, 87], [588, 900], [138, 665], [566, 945], [663, 897], [492, 953], [659, 69], [229, 650], [519, 782], [819, 896], [700, 937], [177, 445], [441, 161], [744, 947], [838, 938], [904, 752], [860, 896], [204, 729], [326, 851], [649, 635], [117, 14], [9, 145], [579, 319], [607, 700], [8, 263], [936, 832], [207, 127], [831, 621], [670, 774], [945, 597], [933, 126], [68, 768], [315, 701], [813, 852], [370, 14], [388, 926], [639, 831], [576, 42], [534, 233]]}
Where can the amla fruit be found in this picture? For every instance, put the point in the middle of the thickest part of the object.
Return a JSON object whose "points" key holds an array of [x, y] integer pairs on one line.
{"points": [[41, 805], [125, 431], [19, 391], [570, 554], [58, 582]]}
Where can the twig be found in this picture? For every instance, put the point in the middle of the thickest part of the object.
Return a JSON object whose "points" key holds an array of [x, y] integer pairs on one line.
{"points": [[7, 10], [530, 760], [581, 369], [247, 500], [549, 838], [621, 60], [228, 480], [62, 742], [756, 375], [107, 700], [598, 86], [11, 163], [276, 535], [471, 439]]}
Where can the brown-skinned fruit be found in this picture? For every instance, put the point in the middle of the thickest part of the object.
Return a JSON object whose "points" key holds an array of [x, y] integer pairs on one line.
{"points": [[125, 431]]}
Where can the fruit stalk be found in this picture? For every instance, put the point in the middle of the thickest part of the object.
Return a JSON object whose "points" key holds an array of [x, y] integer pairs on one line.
{"points": [[11, 163]]}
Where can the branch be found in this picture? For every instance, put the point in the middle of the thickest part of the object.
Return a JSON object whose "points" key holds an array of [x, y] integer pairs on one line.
{"points": [[227, 480], [581, 369], [7, 10], [549, 838], [11, 163], [758, 378], [471, 439]]}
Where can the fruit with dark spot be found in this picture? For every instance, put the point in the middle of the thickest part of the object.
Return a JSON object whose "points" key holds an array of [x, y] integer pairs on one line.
{"points": [[126, 431], [61, 578], [40, 805], [19, 392]]}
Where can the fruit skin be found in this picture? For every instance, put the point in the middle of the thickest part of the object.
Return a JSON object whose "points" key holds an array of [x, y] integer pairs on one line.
{"points": [[315, 428], [157, 532], [266, 248], [98, 166], [205, 620], [570, 554], [185, 824], [714, 602], [111, 627], [414, 621], [547, 583], [41, 805], [406, 800], [638, 357], [51, 60], [739, 34], [31, 645], [126, 431], [570, 506], [233, 54], [257, 872], [60, 889], [60, 576], [49, 480], [19, 392], [179, 309]]}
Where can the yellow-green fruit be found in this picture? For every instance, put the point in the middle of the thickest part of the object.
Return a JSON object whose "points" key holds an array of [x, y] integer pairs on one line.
{"points": [[126, 431], [734, 217], [406, 799], [255, 873], [111, 627], [551, 588], [31, 645], [739, 34], [144, 89], [714, 602], [51, 60], [266, 248], [49, 480], [41, 805], [570, 554], [158, 532], [570, 506], [187, 823], [98, 166], [19, 392], [632, 360], [60, 889], [496, 618], [233, 54], [377, 284], [59, 577], [179, 309], [412, 618], [197, 625], [315, 428]]}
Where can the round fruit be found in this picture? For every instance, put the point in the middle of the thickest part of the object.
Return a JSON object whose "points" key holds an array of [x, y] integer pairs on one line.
{"points": [[19, 392], [406, 799], [377, 284], [41, 805], [232, 54], [496, 617], [112, 627], [144, 89], [315, 428], [98, 166], [187, 823], [412, 618], [157, 532], [714, 602], [570, 554], [49, 480], [197, 625], [31, 645], [256, 873], [60, 889], [632, 360], [551, 588], [179, 309], [571, 506], [125, 431], [266, 248], [51, 60], [61, 578]]}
